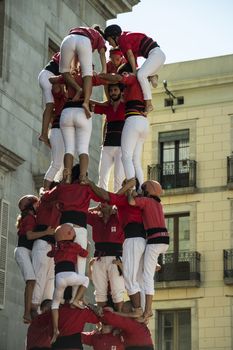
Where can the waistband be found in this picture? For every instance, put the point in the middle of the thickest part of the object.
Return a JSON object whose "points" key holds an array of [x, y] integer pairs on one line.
{"points": [[74, 217], [142, 347], [146, 45], [134, 107], [115, 125], [159, 231], [158, 240], [64, 266], [134, 229], [24, 242], [68, 342], [108, 249], [49, 239], [56, 122], [73, 104], [52, 67]]}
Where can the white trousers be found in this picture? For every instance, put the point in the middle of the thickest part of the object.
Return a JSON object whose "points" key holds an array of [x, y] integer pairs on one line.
{"points": [[152, 253], [63, 280], [150, 67], [134, 134], [132, 259], [104, 270], [46, 86], [111, 155], [76, 45], [44, 271], [76, 130], [23, 257], [57, 154]]}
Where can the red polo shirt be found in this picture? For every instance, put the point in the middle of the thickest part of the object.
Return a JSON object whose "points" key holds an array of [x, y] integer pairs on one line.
{"points": [[101, 341], [97, 41]]}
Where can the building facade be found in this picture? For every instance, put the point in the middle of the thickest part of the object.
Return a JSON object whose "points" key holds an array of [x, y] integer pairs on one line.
{"points": [[190, 151], [30, 31]]}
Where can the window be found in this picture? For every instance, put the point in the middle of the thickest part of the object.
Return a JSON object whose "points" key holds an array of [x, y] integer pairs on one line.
{"points": [[52, 48], [175, 330], [4, 222], [174, 156], [178, 226], [2, 16]]}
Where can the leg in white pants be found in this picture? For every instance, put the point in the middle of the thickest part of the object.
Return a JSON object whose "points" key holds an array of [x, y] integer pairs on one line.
{"points": [[81, 238], [65, 279], [42, 267], [132, 259], [152, 253], [119, 174], [151, 66], [57, 153], [76, 45], [133, 137], [46, 86]]}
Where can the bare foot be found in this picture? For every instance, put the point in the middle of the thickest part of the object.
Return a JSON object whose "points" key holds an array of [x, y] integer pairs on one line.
{"points": [[154, 80], [147, 314], [149, 108], [78, 304], [86, 110], [83, 180], [137, 312], [27, 319], [44, 138], [55, 335], [66, 176]]}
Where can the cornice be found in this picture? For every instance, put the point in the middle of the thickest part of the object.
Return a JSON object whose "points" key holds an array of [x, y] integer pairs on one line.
{"points": [[9, 161], [111, 8]]}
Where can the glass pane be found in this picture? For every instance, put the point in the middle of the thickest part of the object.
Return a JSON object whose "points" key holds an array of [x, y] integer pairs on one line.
{"points": [[183, 156], [170, 228], [184, 330], [184, 233], [168, 158]]}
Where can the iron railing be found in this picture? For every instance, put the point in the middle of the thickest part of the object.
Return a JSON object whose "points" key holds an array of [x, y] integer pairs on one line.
{"points": [[183, 266], [174, 174], [228, 263], [230, 169]]}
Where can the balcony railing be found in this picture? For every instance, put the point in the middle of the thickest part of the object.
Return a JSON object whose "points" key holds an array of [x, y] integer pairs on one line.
{"points": [[228, 266], [183, 266], [174, 174], [230, 170]]}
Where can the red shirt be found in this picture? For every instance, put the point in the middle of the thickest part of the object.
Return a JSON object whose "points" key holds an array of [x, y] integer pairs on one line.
{"points": [[67, 251], [101, 341], [28, 223], [111, 68], [134, 332], [131, 41], [127, 213], [133, 89], [71, 321], [152, 212], [71, 197], [59, 100], [109, 232], [97, 41], [111, 114], [47, 214]]}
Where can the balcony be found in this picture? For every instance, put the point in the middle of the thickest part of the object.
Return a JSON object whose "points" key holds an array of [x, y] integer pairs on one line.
{"points": [[179, 270], [175, 177], [230, 172], [228, 266]]}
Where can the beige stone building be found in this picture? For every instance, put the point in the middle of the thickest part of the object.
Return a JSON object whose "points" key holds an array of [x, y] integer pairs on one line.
{"points": [[190, 151], [30, 31]]}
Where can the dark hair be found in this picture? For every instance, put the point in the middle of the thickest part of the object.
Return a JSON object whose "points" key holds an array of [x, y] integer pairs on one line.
{"points": [[112, 31], [46, 303], [126, 67], [67, 295], [97, 27], [120, 85], [137, 186]]}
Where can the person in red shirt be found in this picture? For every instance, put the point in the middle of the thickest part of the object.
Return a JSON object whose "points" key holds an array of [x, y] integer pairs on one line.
{"points": [[65, 257], [106, 338], [134, 243], [81, 42], [55, 138], [111, 150], [73, 201], [108, 237], [51, 69], [157, 235], [116, 60], [135, 45], [71, 324], [136, 127], [26, 222]]}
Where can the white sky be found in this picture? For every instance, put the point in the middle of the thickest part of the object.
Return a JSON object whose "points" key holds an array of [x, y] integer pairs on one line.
{"points": [[184, 29]]}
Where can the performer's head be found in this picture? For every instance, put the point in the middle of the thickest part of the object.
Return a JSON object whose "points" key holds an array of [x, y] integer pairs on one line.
{"points": [[28, 202], [106, 209], [152, 188], [45, 305], [112, 33], [64, 232], [115, 56], [115, 91], [76, 173]]}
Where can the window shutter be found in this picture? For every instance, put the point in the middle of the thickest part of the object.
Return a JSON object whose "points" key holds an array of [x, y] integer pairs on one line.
{"points": [[4, 224]]}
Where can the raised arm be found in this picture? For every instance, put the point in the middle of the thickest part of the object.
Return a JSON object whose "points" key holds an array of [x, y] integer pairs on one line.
{"points": [[103, 60], [100, 192], [131, 60], [128, 185]]}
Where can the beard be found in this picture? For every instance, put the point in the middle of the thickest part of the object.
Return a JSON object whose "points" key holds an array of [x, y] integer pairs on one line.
{"points": [[115, 98]]}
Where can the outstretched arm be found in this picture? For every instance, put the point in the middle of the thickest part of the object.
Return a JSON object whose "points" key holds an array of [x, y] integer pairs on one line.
{"points": [[111, 77], [100, 192], [128, 185]]}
